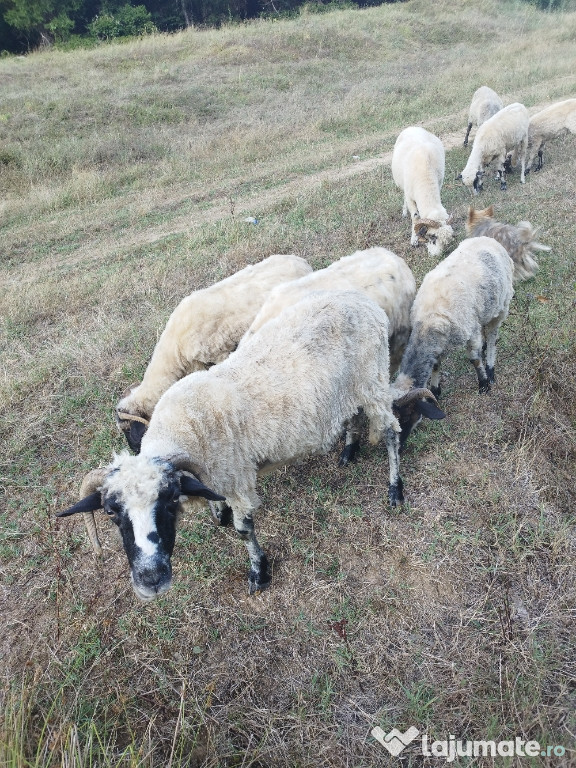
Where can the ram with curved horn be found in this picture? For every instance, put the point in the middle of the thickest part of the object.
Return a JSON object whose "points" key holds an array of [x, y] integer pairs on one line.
{"points": [[282, 396], [418, 163], [461, 302]]}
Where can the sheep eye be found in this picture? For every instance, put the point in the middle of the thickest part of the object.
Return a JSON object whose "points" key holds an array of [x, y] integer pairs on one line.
{"points": [[113, 512]]}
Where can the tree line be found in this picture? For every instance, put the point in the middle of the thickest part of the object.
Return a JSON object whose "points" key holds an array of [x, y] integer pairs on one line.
{"points": [[28, 24]]}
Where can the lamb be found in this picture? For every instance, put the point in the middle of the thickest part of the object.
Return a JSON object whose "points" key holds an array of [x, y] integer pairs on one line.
{"points": [[282, 396], [518, 240], [503, 133], [204, 329], [463, 300], [418, 162], [485, 103], [379, 273], [552, 122]]}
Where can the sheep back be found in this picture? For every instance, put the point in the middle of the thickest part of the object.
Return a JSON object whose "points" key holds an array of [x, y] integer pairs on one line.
{"points": [[504, 132], [207, 325], [418, 164], [378, 272], [485, 103], [467, 290], [284, 394]]}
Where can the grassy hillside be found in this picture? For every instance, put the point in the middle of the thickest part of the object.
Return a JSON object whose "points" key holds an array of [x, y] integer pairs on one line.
{"points": [[127, 173]]}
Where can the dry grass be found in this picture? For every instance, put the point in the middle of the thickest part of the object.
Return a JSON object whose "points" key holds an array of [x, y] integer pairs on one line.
{"points": [[126, 173]]}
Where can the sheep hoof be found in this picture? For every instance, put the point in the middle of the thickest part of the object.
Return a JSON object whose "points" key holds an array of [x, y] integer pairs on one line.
{"points": [[254, 586], [490, 374], [484, 386], [396, 493], [503, 186], [349, 454], [259, 580]]}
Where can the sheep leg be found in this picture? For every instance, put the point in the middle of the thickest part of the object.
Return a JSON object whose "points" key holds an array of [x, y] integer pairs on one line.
{"points": [[501, 173], [475, 357], [491, 332], [396, 487], [259, 576], [435, 387], [523, 151], [352, 444], [539, 162], [467, 134]]}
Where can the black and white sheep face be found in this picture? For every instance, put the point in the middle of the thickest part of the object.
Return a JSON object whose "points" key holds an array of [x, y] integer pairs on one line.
{"points": [[145, 513], [142, 497]]}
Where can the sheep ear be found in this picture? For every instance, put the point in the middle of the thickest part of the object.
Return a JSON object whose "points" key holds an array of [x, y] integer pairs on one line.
{"points": [[429, 410], [420, 229], [88, 504], [192, 487]]}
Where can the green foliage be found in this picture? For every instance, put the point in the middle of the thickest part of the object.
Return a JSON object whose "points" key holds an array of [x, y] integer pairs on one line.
{"points": [[43, 19], [127, 21]]}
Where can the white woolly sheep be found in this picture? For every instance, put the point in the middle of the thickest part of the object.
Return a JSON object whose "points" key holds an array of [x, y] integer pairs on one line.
{"points": [[418, 162], [518, 240], [204, 329], [485, 103], [462, 301], [505, 132], [377, 272], [282, 396], [551, 123]]}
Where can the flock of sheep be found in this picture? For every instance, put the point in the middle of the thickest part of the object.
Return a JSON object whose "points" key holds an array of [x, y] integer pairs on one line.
{"points": [[274, 363]]}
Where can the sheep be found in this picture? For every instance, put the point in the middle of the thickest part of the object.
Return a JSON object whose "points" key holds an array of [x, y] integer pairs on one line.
{"points": [[381, 274], [503, 133], [518, 240], [463, 300], [550, 123], [203, 329], [485, 103], [282, 396], [418, 162]]}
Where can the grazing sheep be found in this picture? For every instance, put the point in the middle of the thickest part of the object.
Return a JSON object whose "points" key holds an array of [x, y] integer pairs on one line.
{"points": [[463, 300], [203, 329], [418, 162], [551, 123], [283, 395], [485, 103], [505, 132], [379, 273], [518, 240]]}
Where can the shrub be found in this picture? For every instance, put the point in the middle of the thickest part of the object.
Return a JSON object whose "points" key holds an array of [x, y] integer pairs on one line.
{"points": [[127, 21]]}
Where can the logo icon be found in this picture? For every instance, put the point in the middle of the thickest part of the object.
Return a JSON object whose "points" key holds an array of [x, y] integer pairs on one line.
{"points": [[395, 741]]}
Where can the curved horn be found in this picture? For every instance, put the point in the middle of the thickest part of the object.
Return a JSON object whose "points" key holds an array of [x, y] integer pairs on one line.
{"points": [[92, 481], [418, 393], [123, 416]]}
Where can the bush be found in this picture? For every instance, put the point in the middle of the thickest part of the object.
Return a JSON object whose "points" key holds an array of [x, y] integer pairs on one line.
{"points": [[127, 21]]}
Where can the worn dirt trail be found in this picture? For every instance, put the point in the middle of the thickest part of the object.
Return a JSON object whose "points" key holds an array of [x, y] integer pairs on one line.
{"points": [[102, 247]]}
